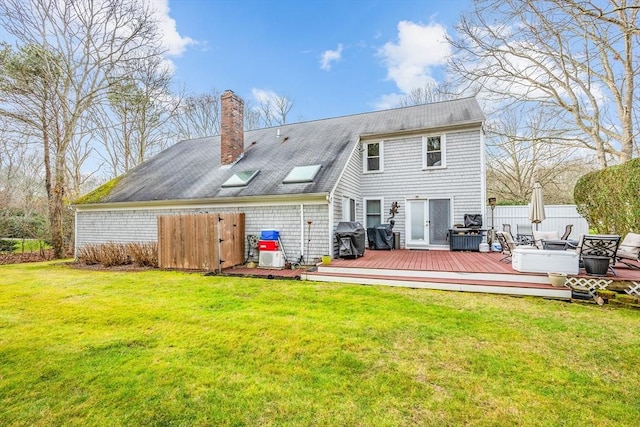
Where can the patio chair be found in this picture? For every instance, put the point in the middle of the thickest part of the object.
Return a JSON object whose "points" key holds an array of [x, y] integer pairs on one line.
{"points": [[507, 243], [506, 227], [539, 238], [567, 232], [524, 234], [629, 250], [598, 246]]}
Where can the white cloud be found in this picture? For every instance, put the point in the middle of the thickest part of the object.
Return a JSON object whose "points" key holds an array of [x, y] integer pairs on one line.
{"points": [[330, 56], [172, 40], [418, 50], [391, 100], [263, 96]]}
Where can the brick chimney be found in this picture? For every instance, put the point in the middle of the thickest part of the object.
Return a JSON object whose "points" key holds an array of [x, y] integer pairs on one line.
{"points": [[231, 128]]}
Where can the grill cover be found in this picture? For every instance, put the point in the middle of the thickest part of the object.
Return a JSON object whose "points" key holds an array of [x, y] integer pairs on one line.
{"points": [[351, 240], [380, 236], [472, 220]]}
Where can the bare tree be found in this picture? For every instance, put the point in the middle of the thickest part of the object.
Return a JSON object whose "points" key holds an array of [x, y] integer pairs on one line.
{"points": [[251, 116], [80, 151], [428, 93], [272, 109], [132, 125], [281, 107], [197, 116], [67, 55], [520, 152], [574, 58]]}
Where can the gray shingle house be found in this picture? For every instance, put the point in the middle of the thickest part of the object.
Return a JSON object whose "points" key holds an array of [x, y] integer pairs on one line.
{"points": [[304, 178]]}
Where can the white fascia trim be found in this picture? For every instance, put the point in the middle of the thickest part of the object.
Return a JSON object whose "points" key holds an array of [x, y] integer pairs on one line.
{"points": [[219, 203], [364, 138]]}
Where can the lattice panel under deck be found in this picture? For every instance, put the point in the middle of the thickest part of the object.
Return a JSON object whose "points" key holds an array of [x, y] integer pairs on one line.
{"points": [[634, 289], [595, 284]]}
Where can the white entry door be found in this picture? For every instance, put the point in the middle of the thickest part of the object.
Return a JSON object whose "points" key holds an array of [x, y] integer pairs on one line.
{"points": [[428, 222]]}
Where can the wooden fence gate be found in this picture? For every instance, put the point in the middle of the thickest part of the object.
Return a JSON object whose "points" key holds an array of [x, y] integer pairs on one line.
{"points": [[201, 241]]}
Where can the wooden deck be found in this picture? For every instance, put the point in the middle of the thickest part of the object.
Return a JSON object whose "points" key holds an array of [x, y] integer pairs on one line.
{"points": [[444, 270]]}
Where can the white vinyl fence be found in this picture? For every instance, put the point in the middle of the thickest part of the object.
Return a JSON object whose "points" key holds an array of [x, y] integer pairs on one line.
{"points": [[558, 216]]}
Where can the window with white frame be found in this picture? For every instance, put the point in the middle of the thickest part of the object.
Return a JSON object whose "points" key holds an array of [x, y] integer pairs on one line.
{"points": [[433, 151], [373, 211], [348, 209], [373, 157]]}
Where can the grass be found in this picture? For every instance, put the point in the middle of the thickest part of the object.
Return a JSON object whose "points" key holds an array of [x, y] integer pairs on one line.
{"points": [[81, 347]]}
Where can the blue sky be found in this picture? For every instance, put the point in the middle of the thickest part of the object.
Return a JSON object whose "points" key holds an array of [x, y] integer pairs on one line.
{"points": [[331, 58]]}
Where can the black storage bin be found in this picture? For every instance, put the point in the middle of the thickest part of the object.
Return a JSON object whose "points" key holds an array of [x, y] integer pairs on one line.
{"points": [[465, 240], [380, 237], [351, 239]]}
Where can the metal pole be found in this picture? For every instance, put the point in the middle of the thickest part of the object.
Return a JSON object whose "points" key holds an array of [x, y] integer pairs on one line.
{"points": [[308, 241]]}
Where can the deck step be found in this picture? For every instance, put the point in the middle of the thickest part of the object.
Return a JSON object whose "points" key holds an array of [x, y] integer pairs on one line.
{"points": [[438, 275], [468, 284]]}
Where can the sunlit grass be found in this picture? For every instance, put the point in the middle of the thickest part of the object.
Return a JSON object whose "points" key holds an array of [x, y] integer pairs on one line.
{"points": [[84, 347]]}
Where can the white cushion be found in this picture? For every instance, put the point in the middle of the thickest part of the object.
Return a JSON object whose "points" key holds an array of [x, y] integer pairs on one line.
{"points": [[539, 236], [630, 246]]}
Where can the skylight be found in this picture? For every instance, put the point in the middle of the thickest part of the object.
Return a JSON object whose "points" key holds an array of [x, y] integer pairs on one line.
{"points": [[240, 179], [302, 174]]}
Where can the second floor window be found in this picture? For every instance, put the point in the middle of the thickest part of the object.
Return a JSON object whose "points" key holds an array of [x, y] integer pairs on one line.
{"points": [[433, 152], [373, 157]]}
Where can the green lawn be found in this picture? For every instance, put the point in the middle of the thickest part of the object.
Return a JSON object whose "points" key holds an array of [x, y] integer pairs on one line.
{"points": [[82, 347]]}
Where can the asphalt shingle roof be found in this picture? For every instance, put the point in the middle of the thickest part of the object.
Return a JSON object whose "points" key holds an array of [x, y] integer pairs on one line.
{"points": [[191, 169]]}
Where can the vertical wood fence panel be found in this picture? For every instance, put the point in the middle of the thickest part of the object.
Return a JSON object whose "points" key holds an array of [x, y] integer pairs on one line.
{"points": [[231, 239], [201, 241]]}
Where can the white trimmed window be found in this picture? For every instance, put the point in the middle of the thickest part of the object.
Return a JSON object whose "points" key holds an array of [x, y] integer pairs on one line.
{"points": [[348, 209], [373, 212], [373, 158], [433, 149]]}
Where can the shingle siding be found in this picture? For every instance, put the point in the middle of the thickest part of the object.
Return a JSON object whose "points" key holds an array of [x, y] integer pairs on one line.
{"points": [[404, 178], [140, 225]]}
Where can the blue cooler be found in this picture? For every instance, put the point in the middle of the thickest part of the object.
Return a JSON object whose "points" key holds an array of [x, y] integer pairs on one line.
{"points": [[269, 234]]}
